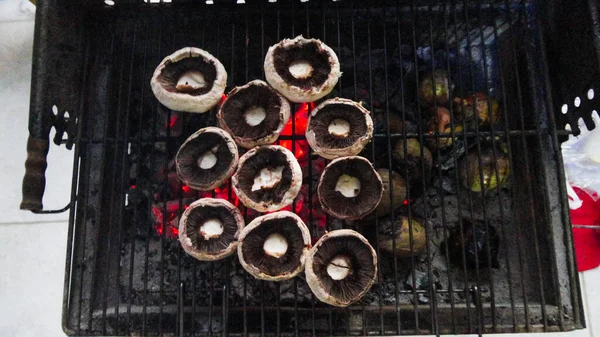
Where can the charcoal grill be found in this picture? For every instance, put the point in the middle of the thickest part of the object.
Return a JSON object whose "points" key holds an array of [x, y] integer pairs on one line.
{"points": [[125, 271]]}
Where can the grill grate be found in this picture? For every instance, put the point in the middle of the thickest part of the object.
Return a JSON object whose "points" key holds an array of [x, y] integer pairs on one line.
{"points": [[126, 274]]}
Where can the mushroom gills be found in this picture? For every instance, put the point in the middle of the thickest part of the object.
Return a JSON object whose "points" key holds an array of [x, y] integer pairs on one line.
{"points": [[301, 69], [190, 81], [275, 245], [339, 267], [255, 115], [339, 127], [211, 228], [268, 178], [348, 186]]}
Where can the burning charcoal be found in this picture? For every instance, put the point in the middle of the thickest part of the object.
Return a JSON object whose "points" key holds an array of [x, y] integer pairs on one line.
{"points": [[173, 123], [254, 114], [341, 267], [339, 127], [399, 233], [190, 80], [272, 247], [478, 240], [409, 159], [350, 188], [494, 171], [435, 87], [303, 70]]}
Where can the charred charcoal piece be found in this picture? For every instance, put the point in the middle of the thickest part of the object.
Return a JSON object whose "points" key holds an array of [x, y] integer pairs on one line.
{"points": [[341, 267], [494, 170], [400, 231], [477, 106], [303, 70], [254, 114], [392, 181], [422, 281], [435, 88], [190, 80], [446, 158], [206, 159], [441, 123], [474, 245], [350, 188], [268, 178], [273, 247], [209, 229], [408, 158], [339, 127]]}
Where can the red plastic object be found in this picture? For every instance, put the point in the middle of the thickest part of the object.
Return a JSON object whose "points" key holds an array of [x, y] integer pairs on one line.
{"points": [[587, 240]]}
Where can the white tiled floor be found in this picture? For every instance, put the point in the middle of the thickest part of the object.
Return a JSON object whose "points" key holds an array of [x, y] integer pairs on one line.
{"points": [[32, 254]]}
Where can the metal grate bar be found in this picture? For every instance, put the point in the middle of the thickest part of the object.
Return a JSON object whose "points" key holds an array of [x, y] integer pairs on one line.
{"points": [[460, 220], [379, 276], [529, 188], [98, 217], [122, 182], [481, 178], [512, 194], [75, 211]]}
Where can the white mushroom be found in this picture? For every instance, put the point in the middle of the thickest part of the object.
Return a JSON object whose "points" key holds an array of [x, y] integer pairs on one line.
{"points": [[175, 93]]}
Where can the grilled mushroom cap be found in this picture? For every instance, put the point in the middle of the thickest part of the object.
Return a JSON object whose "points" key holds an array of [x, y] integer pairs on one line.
{"points": [[392, 183], [190, 80], [206, 159], [350, 188], [209, 229], [339, 127], [254, 114], [273, 247], [303, 70], [341, 267], [268, 178]]}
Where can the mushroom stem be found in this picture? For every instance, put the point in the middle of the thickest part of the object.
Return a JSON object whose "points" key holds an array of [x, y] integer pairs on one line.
{"points": [[208, 159], [339, 127], [339, 267], [268, 178], [275, 245], [301, 69], [190, 81], [255, 115], [210, 229], [348, 186]]}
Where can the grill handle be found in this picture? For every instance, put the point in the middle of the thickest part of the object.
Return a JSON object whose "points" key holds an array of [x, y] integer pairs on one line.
{"points": [[34, 181], [55, 89]]}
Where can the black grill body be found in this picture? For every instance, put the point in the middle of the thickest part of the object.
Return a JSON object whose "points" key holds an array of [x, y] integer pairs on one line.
{"points": [[126, 273]]}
